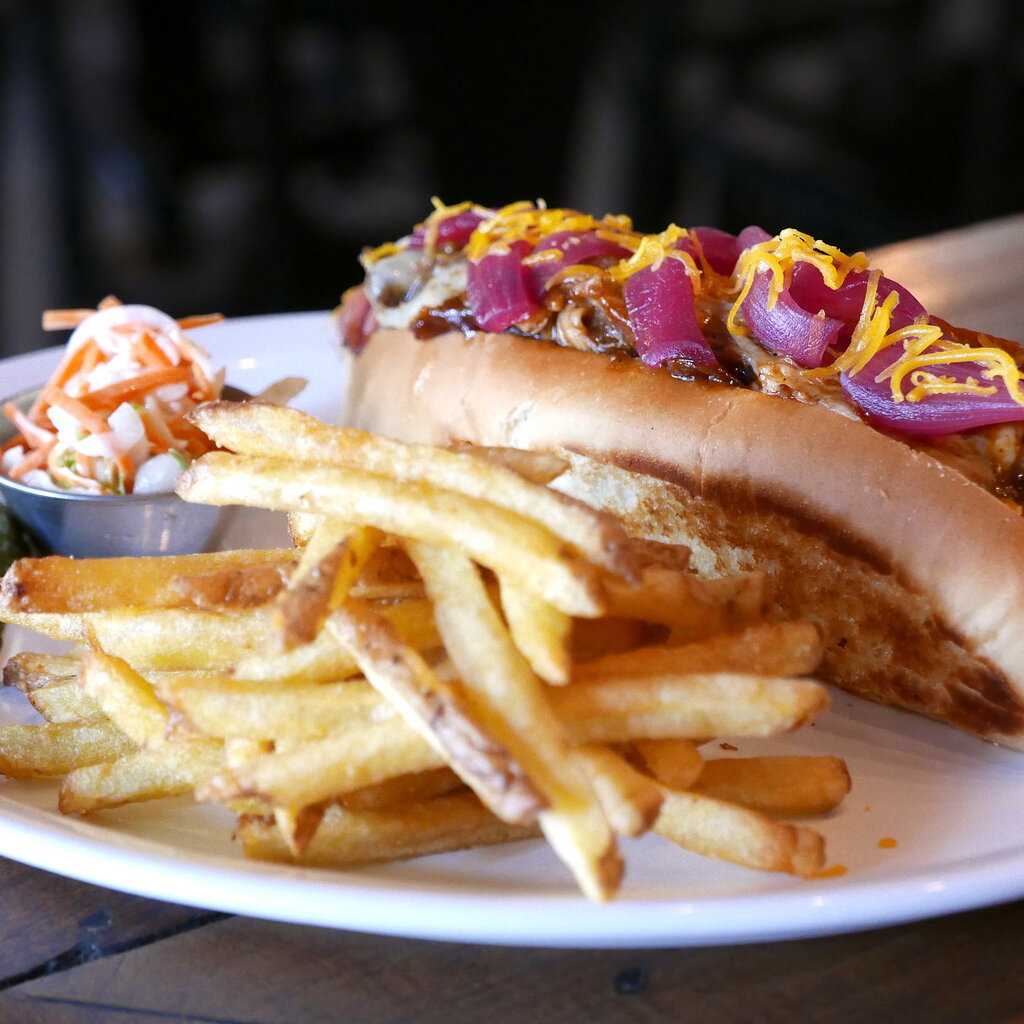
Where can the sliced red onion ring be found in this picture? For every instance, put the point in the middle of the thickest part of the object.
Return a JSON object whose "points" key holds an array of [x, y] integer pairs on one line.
{"points": [[575, 247], [497, 289], [788, 328], [452, 232], [663, 315], [809, 291], [721, 250], [751, 235], [933, 414]]}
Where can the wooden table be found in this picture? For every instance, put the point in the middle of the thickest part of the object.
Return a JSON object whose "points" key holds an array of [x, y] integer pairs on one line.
{"points": [[74, 952]]}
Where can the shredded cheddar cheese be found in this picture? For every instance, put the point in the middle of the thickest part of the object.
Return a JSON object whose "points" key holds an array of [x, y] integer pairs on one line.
{"points": [[652, 250], [532, 223], [778, 255]]}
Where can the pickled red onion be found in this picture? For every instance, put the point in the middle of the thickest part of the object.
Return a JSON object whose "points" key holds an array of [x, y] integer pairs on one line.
{"points": [[573, 247], [932, 414], [498, 290], [663, 315], [452, 232]]}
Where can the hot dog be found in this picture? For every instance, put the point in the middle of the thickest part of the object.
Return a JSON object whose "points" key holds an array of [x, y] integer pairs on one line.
{"points": [[768, 400]]}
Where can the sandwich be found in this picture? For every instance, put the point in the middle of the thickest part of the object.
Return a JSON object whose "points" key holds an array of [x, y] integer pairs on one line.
{"points": [[769, 401]]}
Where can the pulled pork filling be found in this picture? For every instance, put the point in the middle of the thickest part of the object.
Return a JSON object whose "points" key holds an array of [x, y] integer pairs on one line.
{"points": [[784, 315]]}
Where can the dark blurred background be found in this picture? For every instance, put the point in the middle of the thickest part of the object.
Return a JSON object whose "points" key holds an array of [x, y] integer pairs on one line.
{"points": [[235, 155]]}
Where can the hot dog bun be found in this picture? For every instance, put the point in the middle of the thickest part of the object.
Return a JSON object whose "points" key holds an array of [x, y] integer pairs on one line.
{"points": [[914, 574]]}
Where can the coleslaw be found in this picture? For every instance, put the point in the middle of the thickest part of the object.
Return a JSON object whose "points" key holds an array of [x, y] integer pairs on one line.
{"points": [[111, 418]]}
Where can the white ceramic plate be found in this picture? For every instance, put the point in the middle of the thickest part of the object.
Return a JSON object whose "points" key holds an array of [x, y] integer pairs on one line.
{"points": [[931, 826]]}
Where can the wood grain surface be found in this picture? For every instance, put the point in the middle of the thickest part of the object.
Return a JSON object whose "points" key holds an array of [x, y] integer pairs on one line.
{"points": [[71, 952]]}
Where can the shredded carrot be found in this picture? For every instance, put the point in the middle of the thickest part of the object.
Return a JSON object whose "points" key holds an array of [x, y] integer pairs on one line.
{"points": [[110, 397], [89, 420], [33, 434], [147, 352], [109, 301], [33, 460], [157, 430], [66, 369], [65, 319], [188, 323], [125, 465]]}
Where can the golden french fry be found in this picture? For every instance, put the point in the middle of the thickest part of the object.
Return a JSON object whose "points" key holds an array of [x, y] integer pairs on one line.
{"points": [[538, 467], [328, 567], [29, 751], [689, 706], [673, 762], [540, 631], [58, 584], [160, 638], [722, 830], [403, 789], [325, 659], [692, 607], [345, 760], [784, 787], [126, 698], [301, 526], [630, 800], [287, 433], [27, 671], [63, 701], [233, 589], [783, 648], [298, 825], [510, 544], [171, 769], [510, 702], [438, 711], [229, 708], [348, 837]]}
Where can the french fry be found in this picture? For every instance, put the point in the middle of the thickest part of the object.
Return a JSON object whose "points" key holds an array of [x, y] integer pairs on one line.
{"points": [[349, 837], [325, 659], [298, 825], [228, 708], [509, 544], [714, 828], [27, 671], [403, 789], [784, 787], [287, 433], [30, 751], [770, 649], [510, 702], [438, 711], [538, 467], [328, 567], [540, 631], [345, 760], [690, 606], [631, 801], [674, 762], [689, 706], [171, 769], [233, 589], [55, 584], [63, 701], [126, 698]]}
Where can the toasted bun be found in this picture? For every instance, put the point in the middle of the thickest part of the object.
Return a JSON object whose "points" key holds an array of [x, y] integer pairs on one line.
{"points": [[914, 574]]}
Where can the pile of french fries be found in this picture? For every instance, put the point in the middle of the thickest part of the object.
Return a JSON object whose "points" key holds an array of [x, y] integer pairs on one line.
{"points": [[452, 654]]}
